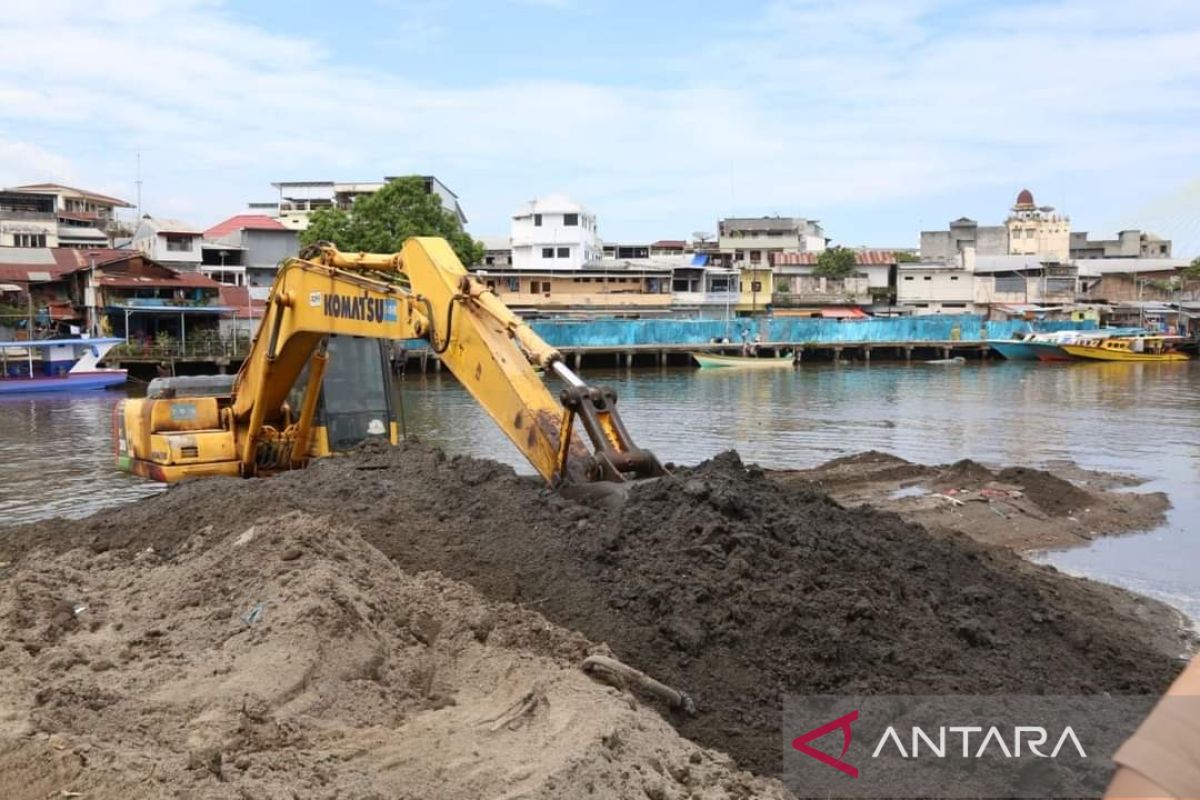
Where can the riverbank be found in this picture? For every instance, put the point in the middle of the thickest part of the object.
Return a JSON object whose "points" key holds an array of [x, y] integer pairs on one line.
{"points": [[716, 580], [1020, 508]]}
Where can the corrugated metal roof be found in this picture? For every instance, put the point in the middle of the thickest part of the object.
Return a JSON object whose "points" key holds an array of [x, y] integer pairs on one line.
{"points": [[1007, 263], [167, 225], [861, 257], [26, 255], [54, 188], [181, 280], [257, 222]]}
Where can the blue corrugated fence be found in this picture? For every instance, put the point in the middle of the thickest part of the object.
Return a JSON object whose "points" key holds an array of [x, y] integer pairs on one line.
{"points": [[616, 333]]}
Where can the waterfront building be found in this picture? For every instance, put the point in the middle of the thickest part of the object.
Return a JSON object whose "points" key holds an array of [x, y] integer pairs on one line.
{"points": [[54, 215], [1131, 243], [298, 199], [948, 246], [1037, 230], [798, 292], [935, 287], [497, 251], [599, 287], [170, 242], [700, 289], [554, 233], [27, 219], [246, 250], [107, 292], [749, 244], [1124, 280], [1029, 230]]}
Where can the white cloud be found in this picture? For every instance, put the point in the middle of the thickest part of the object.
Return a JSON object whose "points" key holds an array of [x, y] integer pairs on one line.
{"points": [[802, 108]]}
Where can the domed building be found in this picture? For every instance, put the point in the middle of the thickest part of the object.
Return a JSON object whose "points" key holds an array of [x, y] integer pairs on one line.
{"points": [[1038, 231]]}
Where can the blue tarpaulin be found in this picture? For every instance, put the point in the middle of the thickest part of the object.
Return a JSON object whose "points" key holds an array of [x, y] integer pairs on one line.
{"points": [[700, 260]]}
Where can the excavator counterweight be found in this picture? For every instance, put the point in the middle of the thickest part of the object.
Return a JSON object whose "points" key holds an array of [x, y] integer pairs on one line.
{"points": [[265, 423]]}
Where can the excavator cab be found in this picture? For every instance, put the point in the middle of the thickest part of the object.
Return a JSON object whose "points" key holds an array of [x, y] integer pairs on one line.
{"points": [[356, 402]]}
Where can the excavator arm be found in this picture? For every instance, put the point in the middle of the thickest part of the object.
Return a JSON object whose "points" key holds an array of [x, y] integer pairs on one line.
{"points": [[421, 292]]}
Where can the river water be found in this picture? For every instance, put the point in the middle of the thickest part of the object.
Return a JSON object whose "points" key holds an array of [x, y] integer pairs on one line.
{"points": [[1140, 419]]}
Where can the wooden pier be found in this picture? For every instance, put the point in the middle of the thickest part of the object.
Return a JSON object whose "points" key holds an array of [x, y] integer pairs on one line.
{"points": [[424, 360]]}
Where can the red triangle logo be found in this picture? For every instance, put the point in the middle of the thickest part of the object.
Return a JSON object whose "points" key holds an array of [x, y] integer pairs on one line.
{"points": [[842, 723]]}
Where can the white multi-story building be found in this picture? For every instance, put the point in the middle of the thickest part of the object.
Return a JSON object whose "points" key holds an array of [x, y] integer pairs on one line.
{"points": [[170, 242], [554, 232], [298, 199]]}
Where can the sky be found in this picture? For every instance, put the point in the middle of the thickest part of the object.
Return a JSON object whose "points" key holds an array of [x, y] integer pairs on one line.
{"points": [[878, 117]]}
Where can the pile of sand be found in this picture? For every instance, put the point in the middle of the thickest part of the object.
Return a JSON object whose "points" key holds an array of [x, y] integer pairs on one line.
{"points": [[717, 580], [289, 658]]}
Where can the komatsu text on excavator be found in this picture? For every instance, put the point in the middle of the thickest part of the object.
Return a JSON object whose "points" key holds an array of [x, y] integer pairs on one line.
{"points": [[270, 418]]}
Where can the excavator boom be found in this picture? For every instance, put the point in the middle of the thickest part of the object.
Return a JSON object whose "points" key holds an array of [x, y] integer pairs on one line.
{"points": [[422, 292]]}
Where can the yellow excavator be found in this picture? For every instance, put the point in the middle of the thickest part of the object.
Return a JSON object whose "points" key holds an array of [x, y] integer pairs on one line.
{"points": [[285, 407]]}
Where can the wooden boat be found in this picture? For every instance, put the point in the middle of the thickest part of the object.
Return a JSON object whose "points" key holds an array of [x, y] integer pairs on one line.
{"points": [[713, 361], [1126, 348]]}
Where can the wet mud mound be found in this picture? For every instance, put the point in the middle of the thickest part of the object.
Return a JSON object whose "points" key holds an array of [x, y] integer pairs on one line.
{"points": [[1052, 494], [717, 580], [1017, 507], [292, 659]]}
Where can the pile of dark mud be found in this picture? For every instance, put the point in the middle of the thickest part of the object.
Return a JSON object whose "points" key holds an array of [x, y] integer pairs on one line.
{"points": [[717, 580]]}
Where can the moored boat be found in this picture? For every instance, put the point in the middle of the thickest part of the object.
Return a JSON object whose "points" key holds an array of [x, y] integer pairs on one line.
{"points": [[1029, 350], [57, 365], [1127, 348], [713, 360], [1049, 346]]}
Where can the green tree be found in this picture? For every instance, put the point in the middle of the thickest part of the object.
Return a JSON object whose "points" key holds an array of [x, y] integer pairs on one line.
{"points": [[836, 262], [1192, 271], [904, 257], [383, 221]]}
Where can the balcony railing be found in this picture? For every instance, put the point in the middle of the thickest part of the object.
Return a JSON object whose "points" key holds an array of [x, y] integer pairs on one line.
{"points": [[202, 348], [48, 216]]}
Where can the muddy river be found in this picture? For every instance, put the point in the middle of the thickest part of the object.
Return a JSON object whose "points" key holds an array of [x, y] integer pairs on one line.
{"points": [[1141, 419]]}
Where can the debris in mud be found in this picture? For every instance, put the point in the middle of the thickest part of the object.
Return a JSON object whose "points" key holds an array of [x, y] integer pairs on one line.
{"points": [[360, 680], [1020, 508], [717, 581]]}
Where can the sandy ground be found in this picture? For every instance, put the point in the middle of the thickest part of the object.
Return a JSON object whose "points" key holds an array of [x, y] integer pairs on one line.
{"points": [[291, 659], [718, 580]]}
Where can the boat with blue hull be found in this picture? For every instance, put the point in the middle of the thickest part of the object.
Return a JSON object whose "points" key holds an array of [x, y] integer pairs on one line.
{"points": [[57, 365], [1050, 346]]}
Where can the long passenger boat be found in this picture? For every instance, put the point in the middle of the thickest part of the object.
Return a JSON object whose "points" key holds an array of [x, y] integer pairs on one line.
{"points": [[57, 365], [1127, 348]]}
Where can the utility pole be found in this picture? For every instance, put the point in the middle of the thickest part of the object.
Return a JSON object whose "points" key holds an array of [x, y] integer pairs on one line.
{"points": [[138, 183]]}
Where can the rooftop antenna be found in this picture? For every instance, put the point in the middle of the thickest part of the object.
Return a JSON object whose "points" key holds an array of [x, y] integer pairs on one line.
{"points": [[138, 183]]}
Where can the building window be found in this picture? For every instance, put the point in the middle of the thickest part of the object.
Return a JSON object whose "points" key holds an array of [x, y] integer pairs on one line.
{"points": [[547, 252], [546, 287], [928, 277], [570, 220], [537, 220], [179, 244], [564, 252], [514, 284], [29, 240], [908, 277], [953, 277], [489, 260], [533, 287], [491, 285]]}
